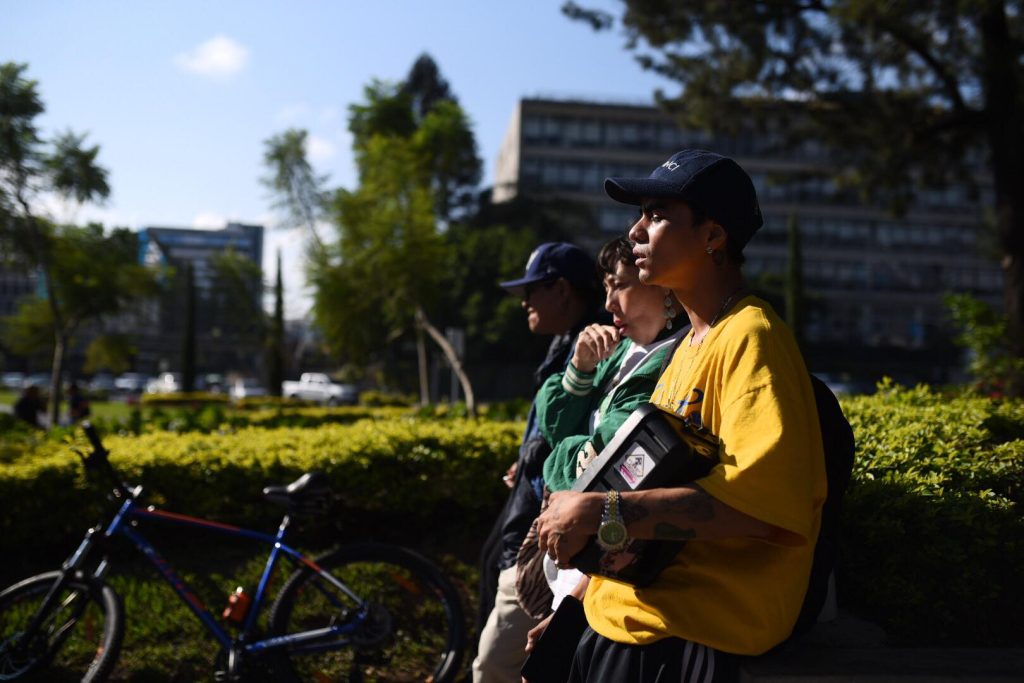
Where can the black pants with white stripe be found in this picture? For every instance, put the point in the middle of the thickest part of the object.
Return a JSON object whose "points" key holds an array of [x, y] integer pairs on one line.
{"points": [[671, 660]]}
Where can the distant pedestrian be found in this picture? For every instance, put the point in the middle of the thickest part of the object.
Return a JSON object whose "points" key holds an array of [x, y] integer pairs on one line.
{"points": [[29, 405], [78, 405]]}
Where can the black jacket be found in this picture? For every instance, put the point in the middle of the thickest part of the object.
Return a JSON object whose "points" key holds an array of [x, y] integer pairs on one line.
{"points": [[523, 503]]}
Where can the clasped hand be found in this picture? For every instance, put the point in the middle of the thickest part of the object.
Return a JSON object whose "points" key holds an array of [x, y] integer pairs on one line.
{"points": [[593, 345], [569, 520]]}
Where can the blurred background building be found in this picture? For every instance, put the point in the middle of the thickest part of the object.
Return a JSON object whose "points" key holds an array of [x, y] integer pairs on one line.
{"points": [[228, 287], [14, 284], [874, 281]]}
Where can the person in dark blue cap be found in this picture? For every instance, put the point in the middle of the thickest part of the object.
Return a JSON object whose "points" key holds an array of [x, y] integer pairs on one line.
{"points": [[750, 525], [559, 291]]}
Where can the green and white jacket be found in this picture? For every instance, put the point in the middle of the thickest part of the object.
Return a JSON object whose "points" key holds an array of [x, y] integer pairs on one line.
{"points": [[578, 413]]}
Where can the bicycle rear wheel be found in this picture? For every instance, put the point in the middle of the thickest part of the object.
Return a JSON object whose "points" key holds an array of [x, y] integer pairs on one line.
{"points": [[415, 631], [78, 640]]}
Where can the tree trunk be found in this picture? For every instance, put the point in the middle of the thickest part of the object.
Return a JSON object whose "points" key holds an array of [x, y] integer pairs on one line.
{"points": [[1006, 145], [53, 407], [453, 358], [421, 357], [275, 362], [795, 282]]}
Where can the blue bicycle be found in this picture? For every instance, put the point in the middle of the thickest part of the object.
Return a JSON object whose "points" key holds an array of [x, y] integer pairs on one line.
{"points": [[361, 612]]}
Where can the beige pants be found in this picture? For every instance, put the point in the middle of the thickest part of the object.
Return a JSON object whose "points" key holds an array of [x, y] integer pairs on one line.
{"points": [[503, 639]]}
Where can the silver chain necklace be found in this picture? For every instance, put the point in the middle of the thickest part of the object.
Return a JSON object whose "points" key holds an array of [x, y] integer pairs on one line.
{"points": [[721, 312]]}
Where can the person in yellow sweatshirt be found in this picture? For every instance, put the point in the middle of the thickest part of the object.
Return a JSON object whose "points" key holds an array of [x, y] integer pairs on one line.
{"points": [[750, 525]]}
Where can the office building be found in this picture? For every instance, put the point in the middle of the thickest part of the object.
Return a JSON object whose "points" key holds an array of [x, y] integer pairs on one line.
{"points": [[875, 282], [226, 313]]}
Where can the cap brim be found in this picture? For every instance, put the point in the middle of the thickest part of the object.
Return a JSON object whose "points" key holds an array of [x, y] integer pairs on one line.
{"points": [[634, 190], [513, 285]]}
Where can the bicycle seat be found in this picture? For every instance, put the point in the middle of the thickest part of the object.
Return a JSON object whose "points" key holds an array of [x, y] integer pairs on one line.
{"points": [[309, 493]]}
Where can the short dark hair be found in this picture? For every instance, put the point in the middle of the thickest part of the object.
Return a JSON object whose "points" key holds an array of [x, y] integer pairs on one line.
{"points": [[732, 249], [615, 251]]}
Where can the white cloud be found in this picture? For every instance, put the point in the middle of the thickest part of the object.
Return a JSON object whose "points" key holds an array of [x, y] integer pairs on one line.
{"points": [[320, 149], [219, 57]]}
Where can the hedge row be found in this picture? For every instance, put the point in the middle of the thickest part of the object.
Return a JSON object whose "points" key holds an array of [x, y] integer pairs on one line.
{"points": [[934, 518], [398, 477], [933, 526]]}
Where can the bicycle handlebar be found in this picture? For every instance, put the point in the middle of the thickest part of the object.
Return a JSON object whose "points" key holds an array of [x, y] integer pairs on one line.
{"points": [[98, 460], [94, 437]]}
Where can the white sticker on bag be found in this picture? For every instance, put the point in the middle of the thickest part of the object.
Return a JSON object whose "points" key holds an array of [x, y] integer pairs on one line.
{"points": [[636, 465]]}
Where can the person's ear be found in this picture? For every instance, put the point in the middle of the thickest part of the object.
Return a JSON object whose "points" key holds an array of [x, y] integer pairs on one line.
{"points": [[562, 289], [717, 236]]}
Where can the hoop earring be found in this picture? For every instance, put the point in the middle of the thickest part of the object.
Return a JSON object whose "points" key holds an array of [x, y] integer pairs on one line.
{"points": [[670, 310]]}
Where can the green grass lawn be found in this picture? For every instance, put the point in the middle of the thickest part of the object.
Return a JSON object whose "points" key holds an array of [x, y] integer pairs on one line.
{"points": [[110, 410], [165, 643]]}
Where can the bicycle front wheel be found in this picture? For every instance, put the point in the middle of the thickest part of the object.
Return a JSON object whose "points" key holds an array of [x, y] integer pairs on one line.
{"points": [[79, 638], [414, 632]]}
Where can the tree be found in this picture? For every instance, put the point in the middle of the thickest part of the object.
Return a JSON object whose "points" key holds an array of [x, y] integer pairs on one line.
{"points": [[900, 92], [426, 87], [444, 137], [275, 340], [94, 275], [111, 352], [233, 307], [417, 162], [25, 168], [983, 333], [391, 253], [488, 247], [299, 192]]}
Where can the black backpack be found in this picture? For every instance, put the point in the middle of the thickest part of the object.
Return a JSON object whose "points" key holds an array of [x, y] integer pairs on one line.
{"points": [[838, 444]]}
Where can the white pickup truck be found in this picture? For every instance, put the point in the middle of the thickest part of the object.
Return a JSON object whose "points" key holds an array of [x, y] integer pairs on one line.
{"points": [[316, 386]]}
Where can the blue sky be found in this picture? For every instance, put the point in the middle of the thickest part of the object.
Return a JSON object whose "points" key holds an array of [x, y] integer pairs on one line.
{"points": [[181, 95]]}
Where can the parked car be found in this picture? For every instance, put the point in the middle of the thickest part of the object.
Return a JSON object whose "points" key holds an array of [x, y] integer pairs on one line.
{"points": [[246, 387], [12, 380], [131, 382], [102, 383], [318, 387], [211, 382], [164, 383], [37, 379]]}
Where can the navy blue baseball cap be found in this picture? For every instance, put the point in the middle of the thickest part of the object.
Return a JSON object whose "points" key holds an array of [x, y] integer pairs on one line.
{"points": [[705, 180], [553, 260]]}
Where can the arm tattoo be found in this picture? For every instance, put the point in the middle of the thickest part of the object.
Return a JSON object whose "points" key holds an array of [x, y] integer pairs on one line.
{"points": [[632, 511], [698, 507]]}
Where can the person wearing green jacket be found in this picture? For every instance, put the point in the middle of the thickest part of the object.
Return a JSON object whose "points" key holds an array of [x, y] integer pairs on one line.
{"points": [[613, 371]]}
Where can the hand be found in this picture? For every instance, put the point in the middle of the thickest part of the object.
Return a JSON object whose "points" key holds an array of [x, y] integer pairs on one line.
{"points": [[536, 632], [570, 519], [510, 475], [593, 345]]}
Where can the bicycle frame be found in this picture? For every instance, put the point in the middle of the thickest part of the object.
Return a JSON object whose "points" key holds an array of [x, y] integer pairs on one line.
{"points": [[308, 641]]}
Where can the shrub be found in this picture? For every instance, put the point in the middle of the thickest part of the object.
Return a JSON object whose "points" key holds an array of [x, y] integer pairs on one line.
{"points": [[193, 399], [933, 543], [933, 535], [397, 477], [381, 398]]}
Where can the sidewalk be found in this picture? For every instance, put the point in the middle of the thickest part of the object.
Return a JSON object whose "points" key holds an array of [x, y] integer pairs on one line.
{"points": [[851, 650]]}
